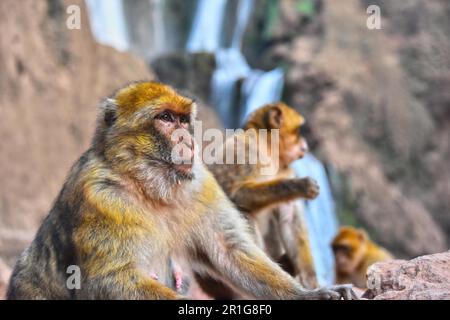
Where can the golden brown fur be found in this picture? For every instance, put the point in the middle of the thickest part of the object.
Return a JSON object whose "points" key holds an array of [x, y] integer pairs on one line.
{"points": [[266, 198], [354, 253]]}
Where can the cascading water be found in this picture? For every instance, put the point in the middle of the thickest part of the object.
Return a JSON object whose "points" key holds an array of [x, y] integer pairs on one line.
{"points": [[320, 218], [158, 30], [207, 26], [258, 88], [108, 23]]}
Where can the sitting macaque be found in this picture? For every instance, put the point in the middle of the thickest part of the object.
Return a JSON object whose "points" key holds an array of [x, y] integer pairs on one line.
{"points": [[138, 198], [266, 196], [354, 252]]}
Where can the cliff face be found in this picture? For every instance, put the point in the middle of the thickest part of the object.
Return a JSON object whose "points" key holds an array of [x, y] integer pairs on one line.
{"points": [[51, 81], [376, 107]]}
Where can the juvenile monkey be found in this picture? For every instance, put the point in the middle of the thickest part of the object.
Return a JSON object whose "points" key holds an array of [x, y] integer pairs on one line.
{"points": [[138, 197], [265, 197], [354, 253]]}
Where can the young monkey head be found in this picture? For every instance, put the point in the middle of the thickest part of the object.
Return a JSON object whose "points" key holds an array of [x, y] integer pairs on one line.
{"points": [[349, 247], [145, 132], [292, 145]]}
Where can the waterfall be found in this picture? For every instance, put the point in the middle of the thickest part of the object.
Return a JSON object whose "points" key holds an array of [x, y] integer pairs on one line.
{"points": [[207, 26], [320, 218], [231, 66], [158, 30], [260, 88], [108, 23]]}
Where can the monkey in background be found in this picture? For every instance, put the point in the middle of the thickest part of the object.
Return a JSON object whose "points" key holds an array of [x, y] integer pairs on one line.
{"points": [[354, 252], [266, 199], [138, 197]]}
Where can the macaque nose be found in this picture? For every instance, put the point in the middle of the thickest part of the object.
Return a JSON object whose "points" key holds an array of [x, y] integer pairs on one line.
{"points": [[187, 140]]}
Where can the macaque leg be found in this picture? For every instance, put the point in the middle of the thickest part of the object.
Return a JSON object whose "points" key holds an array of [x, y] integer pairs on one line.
{"points": [[294, 234], [253, 196]]}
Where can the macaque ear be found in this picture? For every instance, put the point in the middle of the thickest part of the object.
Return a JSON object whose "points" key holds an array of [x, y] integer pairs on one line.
{"points": [[274, 117], [109, 111]]}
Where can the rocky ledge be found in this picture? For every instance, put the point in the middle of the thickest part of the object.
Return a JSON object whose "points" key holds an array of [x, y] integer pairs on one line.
{"points": [[423, 278]]}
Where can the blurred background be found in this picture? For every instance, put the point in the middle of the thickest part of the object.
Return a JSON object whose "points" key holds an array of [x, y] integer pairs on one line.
{"points": [[377, 102]]}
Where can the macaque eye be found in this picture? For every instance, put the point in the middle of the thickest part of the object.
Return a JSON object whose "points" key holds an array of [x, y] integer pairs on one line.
{"points": [[184, 118], [165, 116]]}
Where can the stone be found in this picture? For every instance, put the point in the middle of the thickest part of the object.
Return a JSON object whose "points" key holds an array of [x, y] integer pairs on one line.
{"points": [[423, 278]]}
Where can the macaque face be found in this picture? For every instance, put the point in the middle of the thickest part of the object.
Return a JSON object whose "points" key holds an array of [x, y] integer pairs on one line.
{"points": [[150, 128], [295, 147], [344, 259], [175, 129], [349, 248], [292, 144]]}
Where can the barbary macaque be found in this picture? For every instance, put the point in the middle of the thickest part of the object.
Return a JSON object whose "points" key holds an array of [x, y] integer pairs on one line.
{"points": [[265, 191], [354, 252]]}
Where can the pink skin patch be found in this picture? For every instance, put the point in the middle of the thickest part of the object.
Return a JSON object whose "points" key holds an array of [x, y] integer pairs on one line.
{"points": [[178, 280], [154, 275]]}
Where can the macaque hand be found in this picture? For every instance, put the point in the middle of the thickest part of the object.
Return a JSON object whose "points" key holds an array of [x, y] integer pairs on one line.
{"points": [[338, 292], [310, 187]]}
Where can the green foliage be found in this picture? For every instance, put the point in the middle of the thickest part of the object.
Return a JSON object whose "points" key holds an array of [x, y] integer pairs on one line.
{"points": [[306, 7], [271, 18], [346, 216]]}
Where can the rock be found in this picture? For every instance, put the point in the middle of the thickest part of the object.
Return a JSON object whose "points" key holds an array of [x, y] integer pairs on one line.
{"points": [[52, 79], [423, 278], [5, 273], [191, 72]]}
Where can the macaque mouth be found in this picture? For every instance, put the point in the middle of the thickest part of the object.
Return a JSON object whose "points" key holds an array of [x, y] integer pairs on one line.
{"points": [[184, 171], [183, 167]]}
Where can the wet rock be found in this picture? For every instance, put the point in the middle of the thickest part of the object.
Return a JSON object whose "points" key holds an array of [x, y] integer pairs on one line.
{"points": [[191, 72]]}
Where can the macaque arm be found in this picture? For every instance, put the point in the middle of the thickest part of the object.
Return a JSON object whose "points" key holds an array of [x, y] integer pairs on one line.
{"points": [[226, 249], [253, 196], [244, 267]]}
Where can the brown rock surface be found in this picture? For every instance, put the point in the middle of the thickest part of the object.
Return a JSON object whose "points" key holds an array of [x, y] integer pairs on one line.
{"points": [[423, 278], [51, 81]]}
